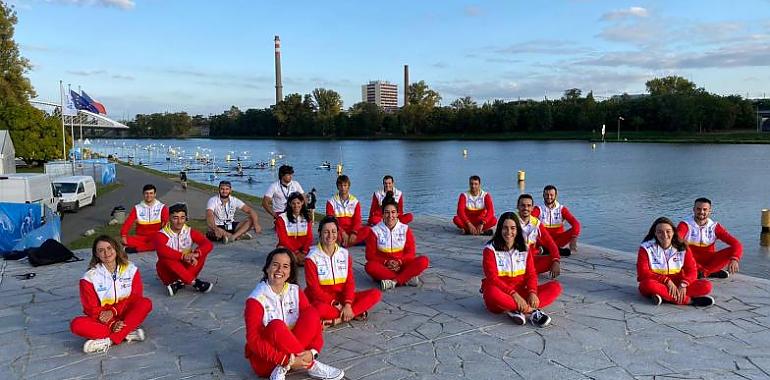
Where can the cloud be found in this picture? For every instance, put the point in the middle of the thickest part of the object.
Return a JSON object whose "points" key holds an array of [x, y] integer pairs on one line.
{"points": [[440, 65], [122, 77], [472, 11], [215, 76], [633, 12], [86, 73], [543, 46], [121, 4]]}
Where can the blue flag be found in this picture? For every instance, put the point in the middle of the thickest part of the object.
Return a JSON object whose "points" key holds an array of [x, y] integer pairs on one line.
{"points": [[82, 104]]}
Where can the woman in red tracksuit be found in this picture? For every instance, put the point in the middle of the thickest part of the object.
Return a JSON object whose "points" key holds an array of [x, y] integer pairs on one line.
{"points": [[390, 250], [666, 269], [111, 294], [331, 285], [475, 210], [295, 228], [283, 331], [510, 279]]}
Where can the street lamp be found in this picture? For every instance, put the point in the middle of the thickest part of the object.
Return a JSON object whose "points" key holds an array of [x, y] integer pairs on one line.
{"points": [[619, 119]]}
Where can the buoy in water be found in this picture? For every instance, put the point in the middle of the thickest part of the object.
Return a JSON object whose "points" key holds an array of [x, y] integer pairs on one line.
{"points": [[765, 220], [522, 176], [339, 168], [593, 146], [272, 162], [465, 152]]}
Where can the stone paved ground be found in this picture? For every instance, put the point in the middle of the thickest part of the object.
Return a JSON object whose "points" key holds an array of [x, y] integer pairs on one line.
{"points": [[602, 328]]}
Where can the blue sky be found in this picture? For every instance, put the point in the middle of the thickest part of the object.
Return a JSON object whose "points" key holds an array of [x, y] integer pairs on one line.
{"points": [[143, 56]]}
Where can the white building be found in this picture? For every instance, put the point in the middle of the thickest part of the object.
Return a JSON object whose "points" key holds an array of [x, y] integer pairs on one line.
{"points": [[7, 153], [381, 93]]}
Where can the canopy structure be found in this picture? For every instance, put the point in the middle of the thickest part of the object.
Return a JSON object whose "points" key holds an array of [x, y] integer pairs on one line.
{"points": [[7, 153], [84, 119]]}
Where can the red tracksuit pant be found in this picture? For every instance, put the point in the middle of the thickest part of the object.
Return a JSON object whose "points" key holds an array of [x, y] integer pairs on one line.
{"points": [[710, 262], [409, 269], [172, 270], [361, 234], [132, 314], [699, 288], [489, 223], [305, 335], [362, 301], [497, 301], [561, 238], [141, 243], [543, 263]]}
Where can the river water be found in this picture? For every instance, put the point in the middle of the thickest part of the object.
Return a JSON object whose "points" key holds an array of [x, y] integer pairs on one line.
{"points": [[616, 190]]}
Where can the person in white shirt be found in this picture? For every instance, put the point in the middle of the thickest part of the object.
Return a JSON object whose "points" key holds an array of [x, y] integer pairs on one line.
{"points": [[274, 201], [220, 216]]}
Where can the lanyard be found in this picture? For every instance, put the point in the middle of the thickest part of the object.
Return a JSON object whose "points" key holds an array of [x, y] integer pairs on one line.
{"points": [[288, 190], [225, 208]]}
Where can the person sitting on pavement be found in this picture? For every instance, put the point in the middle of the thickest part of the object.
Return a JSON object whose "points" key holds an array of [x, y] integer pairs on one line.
{"points": [[182, 252], [112, 299], [553, 214], [536, 235], [701, 233], [510, 279], [220, 216], [347, 210], [150, 216], [331, 285], [283, 330], [375, 210], [390, 250], [274, 201], [294, 228], [475, 210], [666, 269]]}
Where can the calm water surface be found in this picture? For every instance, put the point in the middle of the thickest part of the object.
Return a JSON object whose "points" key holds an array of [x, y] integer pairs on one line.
{"points": [[616, 190]]}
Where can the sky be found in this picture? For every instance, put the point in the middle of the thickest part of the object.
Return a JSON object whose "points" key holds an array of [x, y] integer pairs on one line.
{"points": [[201, 57]]}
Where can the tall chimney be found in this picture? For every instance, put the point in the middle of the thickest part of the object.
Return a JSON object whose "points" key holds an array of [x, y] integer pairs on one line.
{"points": [[278, 85], [406, 85]]}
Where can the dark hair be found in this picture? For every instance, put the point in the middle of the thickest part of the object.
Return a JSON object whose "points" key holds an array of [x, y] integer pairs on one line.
{"points": [[388, 200], [304, 212], [702, 200], [550, 187], [525, 196], [343, 179], [676, 241], [497, 241], [390, 177], [285, 169], [292, 260], [149, 186], [120, 255], [326, 220], [474, 178], [226, 183], [179, 207]]}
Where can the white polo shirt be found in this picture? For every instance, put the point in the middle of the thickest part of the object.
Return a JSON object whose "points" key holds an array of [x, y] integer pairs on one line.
{"points": [[224, 213], [279, 192]]}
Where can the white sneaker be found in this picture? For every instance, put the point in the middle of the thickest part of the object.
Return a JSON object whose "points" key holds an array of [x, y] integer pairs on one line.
{"points": [[136, 335], [279, 373], [226, 240], [247, 236], [540, 319], [387, 284], [97, 345], [325, 372], [517, 317], [414, 281]]}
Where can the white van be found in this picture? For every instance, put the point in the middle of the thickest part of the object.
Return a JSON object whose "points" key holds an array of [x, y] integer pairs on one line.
{"points": [[28, 188], [75, 192]]}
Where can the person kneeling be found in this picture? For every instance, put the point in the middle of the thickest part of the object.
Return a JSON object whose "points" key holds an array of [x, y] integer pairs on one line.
{"points": [[283, 330], [331, 286], [111, 294], [510, 279], [666, 269], [390, 250], [178, 262]]}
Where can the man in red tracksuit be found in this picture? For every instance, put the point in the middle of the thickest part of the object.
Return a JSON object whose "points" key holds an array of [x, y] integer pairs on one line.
{"points": [[553, 214], [375, 209], [536, 234], [347, 209], [701, 233], [150, 216], [475, 210], [178, 262]]}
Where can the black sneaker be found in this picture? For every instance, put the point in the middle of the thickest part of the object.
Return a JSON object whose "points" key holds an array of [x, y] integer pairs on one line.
{"points": [[540, 319], [517, 317], [203, 286], [720, 274], [700, 275], [702, 301], [565, 252], [174, 287], [656, 300]]}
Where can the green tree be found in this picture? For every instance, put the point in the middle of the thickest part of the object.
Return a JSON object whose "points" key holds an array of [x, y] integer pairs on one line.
{"points": [[15, 88], [671, 85], [327, 104], [422, 100], [464, 103]]}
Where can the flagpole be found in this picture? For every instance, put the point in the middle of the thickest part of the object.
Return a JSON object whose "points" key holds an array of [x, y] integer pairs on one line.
{"points": [[72, 132], [63, 131], [81, 129]]}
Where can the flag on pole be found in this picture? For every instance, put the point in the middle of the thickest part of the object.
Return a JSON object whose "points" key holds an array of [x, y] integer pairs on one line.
{"points": [[94, 103], [68, 105], [81, 103]]}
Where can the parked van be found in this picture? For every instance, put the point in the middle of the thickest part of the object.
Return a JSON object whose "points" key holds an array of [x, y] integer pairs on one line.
{"points": [[75, 192], [28, 188]]}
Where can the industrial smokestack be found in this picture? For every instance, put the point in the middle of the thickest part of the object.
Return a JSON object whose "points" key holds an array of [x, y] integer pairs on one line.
{"points": [[406, 85], [278, 85]]}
